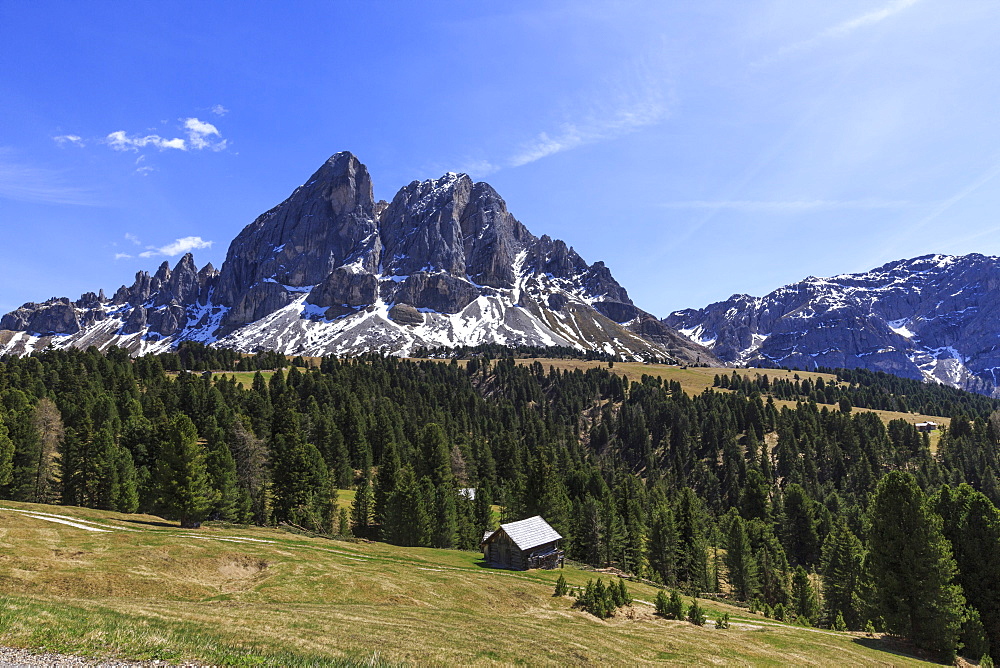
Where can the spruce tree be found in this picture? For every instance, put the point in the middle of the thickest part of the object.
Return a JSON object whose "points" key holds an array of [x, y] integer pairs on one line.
{"points": [[660, 603], [663, 545], [185, 490], [6, 456], [740, 561], [972, 524], [843, 574], [695, 614], [801, 537], [804, 597], [912, 567], [222, 472], [363, 506]]}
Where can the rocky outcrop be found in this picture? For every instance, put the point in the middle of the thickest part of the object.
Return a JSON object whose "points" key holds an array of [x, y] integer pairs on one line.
{"points": [[56, 316], [347, 287], [405, 314], [437, 292]]}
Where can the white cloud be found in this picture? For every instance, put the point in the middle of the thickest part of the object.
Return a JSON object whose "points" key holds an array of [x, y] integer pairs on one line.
{"points": [[219, 110], [199, 132], [120, 141], [134, 239], [178, 247], [72, 140], [842, 29], [199, 136], [122, 256]]}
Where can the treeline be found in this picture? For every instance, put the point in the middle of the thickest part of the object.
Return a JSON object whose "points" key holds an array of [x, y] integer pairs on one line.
{"points": [[500, 351], [194, 356], [817, 515], [860, 388]]}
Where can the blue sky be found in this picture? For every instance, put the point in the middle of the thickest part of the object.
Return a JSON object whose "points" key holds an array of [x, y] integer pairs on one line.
{"points": [[699, 148]]}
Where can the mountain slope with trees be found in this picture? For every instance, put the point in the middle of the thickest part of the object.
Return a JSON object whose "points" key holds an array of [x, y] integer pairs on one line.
{"points": [[718, 492]]}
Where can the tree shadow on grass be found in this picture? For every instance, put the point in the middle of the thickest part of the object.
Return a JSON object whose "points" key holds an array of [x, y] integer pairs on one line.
{"points": [[898, 647]]}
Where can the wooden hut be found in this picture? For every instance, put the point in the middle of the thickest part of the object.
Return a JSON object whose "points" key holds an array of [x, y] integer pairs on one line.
{"points": [[529, 543]]}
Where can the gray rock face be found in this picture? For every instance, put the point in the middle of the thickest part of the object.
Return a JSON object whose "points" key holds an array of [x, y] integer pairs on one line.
{"points": [[438, 292], [934, 317], [345, 287], [54, 317], [421, 228], [329, 270], [136, 321], [328, 222]]}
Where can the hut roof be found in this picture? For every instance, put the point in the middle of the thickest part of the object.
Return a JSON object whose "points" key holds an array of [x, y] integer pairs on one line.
{"points": [[530, 533]]}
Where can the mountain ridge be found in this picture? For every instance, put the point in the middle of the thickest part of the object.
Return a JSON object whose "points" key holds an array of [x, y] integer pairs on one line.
{"points": [[329, 270], [931, 317]]}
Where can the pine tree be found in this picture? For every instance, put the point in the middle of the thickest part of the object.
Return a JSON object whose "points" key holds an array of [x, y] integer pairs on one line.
{"points": [[912, 567], [843, 562], [675, 607], [385, 481], [695, 614], [663, 546], [972, 525], [250, 456], [185, 490], [661, 603], [561, 586], [740, 561], [363, 506], [222, 472], [804, 597], [6, 456], [801, 538]]}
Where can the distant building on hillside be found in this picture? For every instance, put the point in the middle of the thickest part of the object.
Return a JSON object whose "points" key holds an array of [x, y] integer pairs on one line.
{"points": [[926, 426], [522, 545]]}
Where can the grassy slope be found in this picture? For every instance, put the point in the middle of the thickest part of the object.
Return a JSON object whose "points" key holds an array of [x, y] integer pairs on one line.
{"points": [[696, 380], [147, 589]]}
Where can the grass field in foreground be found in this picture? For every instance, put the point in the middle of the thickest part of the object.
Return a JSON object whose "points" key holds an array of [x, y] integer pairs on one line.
{"points": [[145, 589]]}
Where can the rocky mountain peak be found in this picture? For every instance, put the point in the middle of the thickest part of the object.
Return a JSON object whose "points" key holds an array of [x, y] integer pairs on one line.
{"points": [[321, 226], [329, 270]]}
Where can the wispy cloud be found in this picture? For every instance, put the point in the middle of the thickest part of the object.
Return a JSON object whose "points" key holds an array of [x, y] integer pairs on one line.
{"points": [[178, 247], [69, 140], [790, 206], [134, 239], [597, 127], [840, 30], [122, 256], [219, 110], [636, 99], [944, 205], [27, 183]]}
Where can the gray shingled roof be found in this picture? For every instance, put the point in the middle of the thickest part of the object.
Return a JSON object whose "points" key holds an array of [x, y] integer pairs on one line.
{"points": [[531, 532]]}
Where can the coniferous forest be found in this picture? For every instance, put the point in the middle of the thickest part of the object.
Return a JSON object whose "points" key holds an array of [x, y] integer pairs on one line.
{"points": [[824, 516]]}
